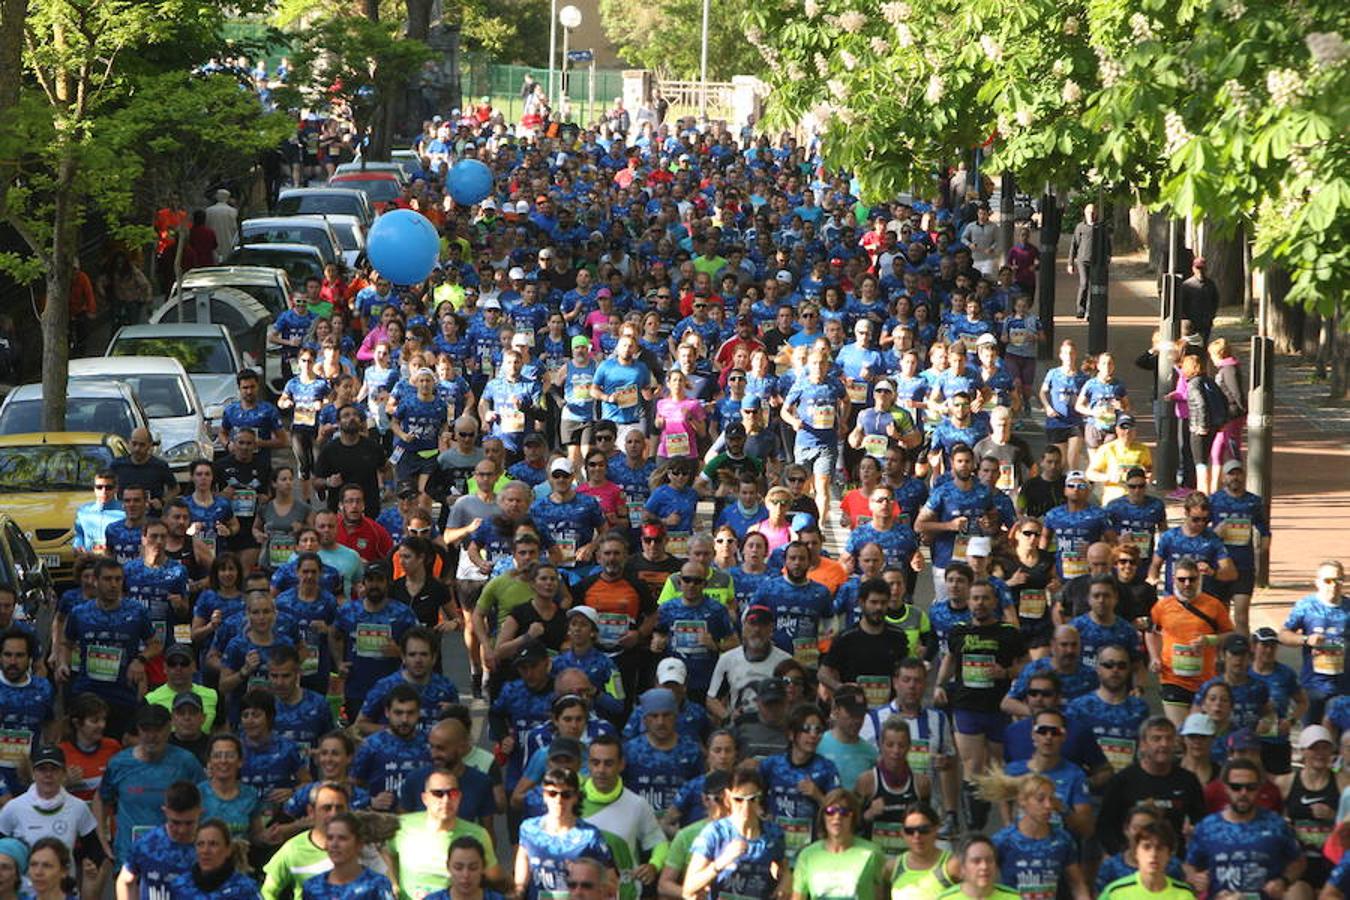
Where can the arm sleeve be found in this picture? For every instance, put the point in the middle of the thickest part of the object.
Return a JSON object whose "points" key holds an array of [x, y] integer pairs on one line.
{"points": [[89, 847]]}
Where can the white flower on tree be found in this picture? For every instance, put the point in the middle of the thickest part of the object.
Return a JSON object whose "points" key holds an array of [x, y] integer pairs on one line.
{"points": [[991, 48], [852, 21], [1327, 48], [1285, 86], [1071, 93], [933, 93], [896, 12]]}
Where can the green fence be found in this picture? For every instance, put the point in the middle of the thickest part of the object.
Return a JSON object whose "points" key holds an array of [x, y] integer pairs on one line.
{"points": [[482, 78]]}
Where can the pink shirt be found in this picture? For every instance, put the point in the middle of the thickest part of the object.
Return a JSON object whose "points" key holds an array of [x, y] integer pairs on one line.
{"points": [[777, 537], [609, 495], [677, 416]]}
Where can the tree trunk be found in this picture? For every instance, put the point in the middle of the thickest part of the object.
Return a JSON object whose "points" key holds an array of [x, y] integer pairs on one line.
{"points": [[1286, 321], [419, 19], [56, 314], [1123, 237], [371, 9], [12, 16], [1223, 254]]}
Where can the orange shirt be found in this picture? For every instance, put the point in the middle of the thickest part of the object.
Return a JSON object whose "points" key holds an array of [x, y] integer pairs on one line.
{"points": [[829, 573], [91, 765], [1182, 664], [81, 295]]}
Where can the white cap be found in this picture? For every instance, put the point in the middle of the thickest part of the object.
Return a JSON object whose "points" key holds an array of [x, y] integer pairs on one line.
{"points": [[986, 339], [1199, 724], [784, 276], [489, 203], [490, 303], [1311, 734], [522, 207], [980, 546], [684, 157], [670, 669], [546, 253], [561, 464], [590, 614], [521, 340], [516, 274]]}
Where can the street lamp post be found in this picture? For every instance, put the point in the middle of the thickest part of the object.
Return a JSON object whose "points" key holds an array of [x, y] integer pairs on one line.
{"points": [[552, 44], [703, 63], [569, 17]]}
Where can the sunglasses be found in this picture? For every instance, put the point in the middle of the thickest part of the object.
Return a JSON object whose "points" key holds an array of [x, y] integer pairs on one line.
{"points": [[838, 811], [1242, 787], [650, 540], [1040, 692], [466, 434], [105, 487], [1184, 579], [1032, 533], [813, 729], [1048, 730], [442, 793], [1197, 518], [691, 579], [554, 792], [576, 884], [736, 378], [1127, 562], [178, 663], [419, 531], [796, 479], [725, 540], [750, 798], [1116, 664], [918, 829], [1136, 486]]}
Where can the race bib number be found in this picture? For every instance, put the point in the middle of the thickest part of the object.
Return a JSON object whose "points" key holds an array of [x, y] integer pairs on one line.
{"points": [[581, 390], [889, 836], [1140, 540], [806, 650], [876, 689], [1032, 603], [1119, 751], [280, 548], [686, 637], [1311, 833], [182, 634], [309, 659], [634, 515], [677, 444], [677, 543], [513, 421], [920, 758], [1328, 658], [876, 445], [959, 546], [1073, 561], [1037, 891], [1017, 336], [857, 392], [1104, 417], [372, 638], [1007, 476], [822, 416], [626, 398], [612, 627], [1187, 661], [977, 670], [1236, 531], [568, 549], [306, 414], [102, 663], [796, 834], [15, 743], [245, 501]]}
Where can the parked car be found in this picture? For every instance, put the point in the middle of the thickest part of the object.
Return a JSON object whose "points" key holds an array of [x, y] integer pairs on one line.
{"points": [[101, 406], [351, 234], [298, 261], [269, 286], [313, 230], [381, 187], [44, 479], [407, 161], [246, 319], [168, 398], [22, 571], [321, 201], [392, 167], [206, 351]]}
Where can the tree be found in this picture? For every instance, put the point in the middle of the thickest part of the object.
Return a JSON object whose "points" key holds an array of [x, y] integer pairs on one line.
{"points": [[65, 153], [664, 35], [1226, 110]]}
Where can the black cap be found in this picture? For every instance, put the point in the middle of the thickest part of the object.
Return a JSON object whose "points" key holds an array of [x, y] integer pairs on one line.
{"points": [[771, 689], [178, 651], [188, 698], [378, 569], [564, 746], [734, 430], [1237, 643], [152, 715], [48, 755], [532, 651], [535, 439], [407, 490], [1265, 635]]}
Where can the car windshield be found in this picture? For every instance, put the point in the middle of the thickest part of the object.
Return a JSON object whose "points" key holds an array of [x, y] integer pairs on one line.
{"points": [[102, 415], [377, 189], [199, 355], [298, 267], [318, 204], [276, 234], [346, 235], [51, 468], [161, 396]]}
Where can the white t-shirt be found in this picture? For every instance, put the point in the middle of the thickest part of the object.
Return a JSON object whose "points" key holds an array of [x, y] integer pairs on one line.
{"points": [[631, 818], [736, 673], [63, 817]]}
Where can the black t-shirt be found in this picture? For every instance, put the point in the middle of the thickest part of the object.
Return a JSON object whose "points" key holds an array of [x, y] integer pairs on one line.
{"points": [[427, 603], [253, 476], [855, 653], [555, 629], [357, 464], [154, 474], [653, 574], [974, 648], [1178, 794], [1041, 496], [197, 746]]}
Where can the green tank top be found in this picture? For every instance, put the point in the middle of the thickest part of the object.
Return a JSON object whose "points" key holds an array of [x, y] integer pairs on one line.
{"points": [[1000, 893], [914, 623], [920, 884], [1129, 888]]}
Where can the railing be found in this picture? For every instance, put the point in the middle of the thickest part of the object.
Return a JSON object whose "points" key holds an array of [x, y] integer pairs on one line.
{"points": [[688, 95]]}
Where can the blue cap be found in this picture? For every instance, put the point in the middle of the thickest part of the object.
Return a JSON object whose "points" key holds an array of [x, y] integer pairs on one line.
{"points": [[753, 402], [658, 700], [802, 520], [16, 851]]}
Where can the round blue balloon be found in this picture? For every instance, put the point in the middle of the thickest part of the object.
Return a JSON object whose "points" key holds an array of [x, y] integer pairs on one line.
{"points": [[403, 246], [469, 182]]}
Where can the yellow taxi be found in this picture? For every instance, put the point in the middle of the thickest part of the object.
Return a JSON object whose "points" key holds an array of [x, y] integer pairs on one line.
{"points": [[44, 479]]}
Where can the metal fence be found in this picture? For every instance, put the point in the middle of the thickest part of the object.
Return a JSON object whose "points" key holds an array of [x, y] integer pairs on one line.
{"points": [[480, 78]]}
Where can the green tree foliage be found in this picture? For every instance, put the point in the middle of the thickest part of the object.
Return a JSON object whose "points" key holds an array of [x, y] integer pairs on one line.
{"points": [[664, 35], [1229, 110]]}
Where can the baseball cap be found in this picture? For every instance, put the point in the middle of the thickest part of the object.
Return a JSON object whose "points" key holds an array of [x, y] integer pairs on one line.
{"points": [[378, 569], [561, 464], [1075, 477], [188, 698], [490, 303], [604, 292], [546, 253], [653, 530], [178, 651], [1246, 739], [770, 690], [1311, 734], [758, 614], [836, 261], [1265, 635], [734, 430], [658, 700], [533, 651], [407, 490], [585, 612], [1237, 643], [980, 546], [1197, 724], [802, 520], [516, 274], [752, 404], [884, 385], [745, 320], [564, 747], [1233, 465], [1126, 421], [152, 715], [522, 207], [581, 340], [684, 157], [534, 440], [489, 203], [50, 755], [671, 670], [783, 277], [986, 340], [521, 340]]}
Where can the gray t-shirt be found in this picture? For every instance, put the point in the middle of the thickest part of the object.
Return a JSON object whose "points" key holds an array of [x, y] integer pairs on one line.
{"points": [[470, 507], [459, 467]]}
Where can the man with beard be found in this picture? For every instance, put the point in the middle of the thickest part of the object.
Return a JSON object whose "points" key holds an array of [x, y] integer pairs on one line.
{"points": [[867, 653], [799, 605], [242, 477], [1244, 850], [353, 458], [250, 412], [364, 638], [625, 608], [738, 671], [359, 531], [400, 748], [1112, 713], [26, 700]]}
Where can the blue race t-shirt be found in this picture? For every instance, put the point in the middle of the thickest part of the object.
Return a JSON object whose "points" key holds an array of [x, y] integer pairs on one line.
{"points": [[549, 854], [1242, 857], [138, 790], [1034, 866], [751, 875], [657, 775], [368, 885], [156, 861]]}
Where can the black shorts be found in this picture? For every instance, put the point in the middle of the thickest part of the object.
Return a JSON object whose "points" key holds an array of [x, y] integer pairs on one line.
{"points": [[1173, 693], [1095, 437], [1058, 435], [572, 432], [1277, 758]]}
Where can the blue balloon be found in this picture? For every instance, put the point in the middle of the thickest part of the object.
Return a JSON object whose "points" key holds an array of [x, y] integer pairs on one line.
{"points": [[469, 182], [403, 246]]}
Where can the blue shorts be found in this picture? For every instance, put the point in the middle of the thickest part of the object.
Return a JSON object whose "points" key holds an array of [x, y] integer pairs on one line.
{"points": [[819, 459], [990, 725]]}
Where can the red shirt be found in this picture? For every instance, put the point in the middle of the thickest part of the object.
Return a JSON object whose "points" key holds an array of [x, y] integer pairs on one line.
{"points": [[368, 538], [1267, 797]]}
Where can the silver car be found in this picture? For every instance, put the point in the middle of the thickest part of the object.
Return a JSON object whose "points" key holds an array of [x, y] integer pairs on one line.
{"points": [[206, 350], [312, 230], [101, 406]]}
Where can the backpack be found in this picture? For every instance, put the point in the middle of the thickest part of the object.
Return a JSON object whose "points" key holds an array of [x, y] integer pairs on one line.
{"points": [[1217, 413]]}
